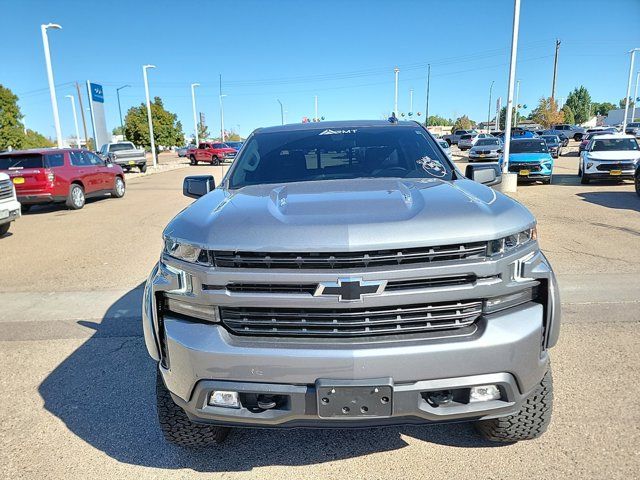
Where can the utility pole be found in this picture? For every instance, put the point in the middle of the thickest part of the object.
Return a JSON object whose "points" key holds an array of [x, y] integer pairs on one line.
{"points": [[635, 98], [146, 91], [626, 103], [489, 112], [426, 120], [498, 108], [509, 180], [396, 70], [120, 109], [221, 112], [52, 87], [555, 70], [195, 115], [75, 118], [84, 123], [281, 112]]}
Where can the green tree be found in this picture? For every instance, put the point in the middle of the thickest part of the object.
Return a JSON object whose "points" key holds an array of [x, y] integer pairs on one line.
{"points": [[203, 131], [11, 128], [621, 103], [579, 101], [602, 108], [167, 130], [503, 118], [568, 114], [118, 130], [463, 123], [437, 120], [546, 113], [34, 139]]}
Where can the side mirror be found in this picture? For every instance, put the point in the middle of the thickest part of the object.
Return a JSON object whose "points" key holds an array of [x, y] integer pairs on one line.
{"points": [[197, 186], [486, 173]]}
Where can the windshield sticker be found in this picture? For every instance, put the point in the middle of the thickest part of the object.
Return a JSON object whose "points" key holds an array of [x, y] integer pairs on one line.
{"points": [[338, 132], [432, 167]]}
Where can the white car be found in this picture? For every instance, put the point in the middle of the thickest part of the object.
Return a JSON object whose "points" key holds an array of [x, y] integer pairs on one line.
{"points": [[469, 140], [445, 146], [609, 156], [9, 205]]}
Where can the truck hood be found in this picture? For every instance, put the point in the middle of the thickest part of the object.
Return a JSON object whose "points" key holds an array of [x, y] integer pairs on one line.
{"points": [[348, 215], [529, 157], [620, 155]]}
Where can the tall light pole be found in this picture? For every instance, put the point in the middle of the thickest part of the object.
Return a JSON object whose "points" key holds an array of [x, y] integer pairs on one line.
{"points": [[498, 108], [635, 98], [426, 110], [489, 112], [195, 115], [315, 101], [411, 101], [515, 123], [281, 112], [511, 180], [75, 117], [626, 102], [396, 70], [120, 108], [52, 87], [146, 91], [221, 112]]}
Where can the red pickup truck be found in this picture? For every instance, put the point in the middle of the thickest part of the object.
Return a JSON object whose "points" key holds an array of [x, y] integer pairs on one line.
{"points": [[210, 152]]}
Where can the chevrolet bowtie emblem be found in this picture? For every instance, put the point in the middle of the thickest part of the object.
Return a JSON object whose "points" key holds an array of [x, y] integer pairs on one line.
{"points": [[350, 289]]}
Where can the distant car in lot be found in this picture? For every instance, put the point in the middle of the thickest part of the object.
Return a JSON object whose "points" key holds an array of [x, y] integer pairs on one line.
{"points": [[211, 152], [486, 149], [564, 140], [609, 156], [588, 136], [454, 137], [445, 146], [9, 205], [54, 175], [530, 159], [519, 132], [236, 145], [570, 131], [553, 144], [183, 151], [469, 140], [125, 154], [633, 128]]}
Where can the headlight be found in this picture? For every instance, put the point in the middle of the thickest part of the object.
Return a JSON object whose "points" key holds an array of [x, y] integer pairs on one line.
{"points": [[512, 242], [185, 252], [495, 304], [209, 313]]}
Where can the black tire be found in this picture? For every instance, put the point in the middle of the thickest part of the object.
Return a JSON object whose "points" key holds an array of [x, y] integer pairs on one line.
{"points": [[4, 228], [119, 188], [530, 422], [193, 160], [215, 160], [76, 198], [584, 179], [176, 426], [637, 182], [577, 137], [448, 141], [143, 168]]}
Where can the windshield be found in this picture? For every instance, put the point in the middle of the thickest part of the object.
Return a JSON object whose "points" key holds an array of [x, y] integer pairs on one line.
{"points": [[614, 144], [550, 139], [332, 154], [443, 144], [483, 142], [529, 146], [118, 147]]}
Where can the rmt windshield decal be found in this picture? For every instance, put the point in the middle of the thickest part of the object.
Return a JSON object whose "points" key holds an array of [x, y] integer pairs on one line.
{"points": [[338, 132], [432, 167]]}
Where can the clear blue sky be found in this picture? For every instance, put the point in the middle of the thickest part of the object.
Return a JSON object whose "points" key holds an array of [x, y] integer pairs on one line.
{"points": [[342, 51]]}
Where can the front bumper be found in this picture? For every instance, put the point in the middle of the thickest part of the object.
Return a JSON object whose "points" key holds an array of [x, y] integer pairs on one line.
{"points": [[484, 157], [511, 346], [9, 211], [626, 172]]}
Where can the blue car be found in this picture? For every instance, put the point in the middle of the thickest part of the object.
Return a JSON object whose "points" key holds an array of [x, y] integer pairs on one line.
{"points": [[530, 159]]}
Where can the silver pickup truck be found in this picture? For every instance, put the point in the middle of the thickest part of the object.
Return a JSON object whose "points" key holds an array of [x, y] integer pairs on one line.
{"points": [[124, 154], [347, 274]]}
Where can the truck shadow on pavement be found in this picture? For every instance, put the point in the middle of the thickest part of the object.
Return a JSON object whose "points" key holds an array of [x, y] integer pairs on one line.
{"points": [[618, 200], [104, 393]]}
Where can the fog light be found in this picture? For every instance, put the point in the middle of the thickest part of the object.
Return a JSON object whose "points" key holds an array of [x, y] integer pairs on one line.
{"points": [[221, 398], [484, 393]]}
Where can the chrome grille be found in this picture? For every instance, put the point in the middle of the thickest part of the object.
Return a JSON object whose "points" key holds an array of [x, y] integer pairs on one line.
{"points": [[285, 322], [340, 260], [6, 189]]}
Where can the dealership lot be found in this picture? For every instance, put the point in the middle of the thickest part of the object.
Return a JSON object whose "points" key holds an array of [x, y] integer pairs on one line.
{"points": [[77, 384]]}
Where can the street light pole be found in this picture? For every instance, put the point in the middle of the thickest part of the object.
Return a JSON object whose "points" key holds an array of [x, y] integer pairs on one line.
{"points": [[221, 112], [120, 108], [635, 98], [315, 101], [52, 88], [75, 117], [411, 101], [426, 120], [512, 78], [195, 115], [489, 112], [146, 91], [396, 70], [498, 108], [626, 102], [515, 123], [281, 112]]}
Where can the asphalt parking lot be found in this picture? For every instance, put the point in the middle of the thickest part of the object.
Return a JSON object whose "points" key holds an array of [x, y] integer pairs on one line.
{"points": [[77, 386]]}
